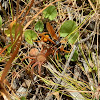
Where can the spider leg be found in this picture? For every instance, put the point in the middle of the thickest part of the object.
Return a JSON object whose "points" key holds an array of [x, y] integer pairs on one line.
{"points": [[27, 57], [30, 63], [39, 68], [32, 69]]}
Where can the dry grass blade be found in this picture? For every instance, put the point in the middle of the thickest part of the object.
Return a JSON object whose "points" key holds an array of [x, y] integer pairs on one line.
{"points": [[6, 69], [92, 5], [8, 65], [4, 49], [4, 93], [13, 22], [28, 10]]}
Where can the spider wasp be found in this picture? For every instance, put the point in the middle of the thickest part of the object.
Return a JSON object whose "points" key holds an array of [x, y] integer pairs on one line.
{"points": [[58, 45]]}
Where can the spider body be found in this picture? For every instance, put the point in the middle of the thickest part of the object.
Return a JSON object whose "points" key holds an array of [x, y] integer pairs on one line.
{"points": [[41, 58], [38, 58]]}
